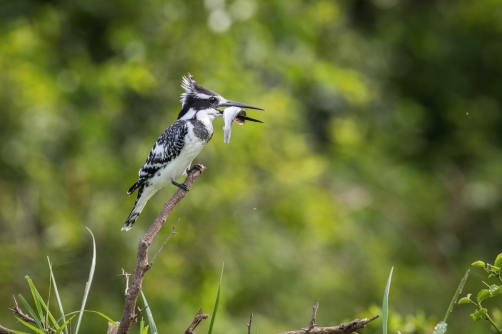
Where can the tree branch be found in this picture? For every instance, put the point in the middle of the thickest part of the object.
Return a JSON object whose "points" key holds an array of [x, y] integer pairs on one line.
{"points": [[345, 328], [142, 265], [196, 321], [4, 330]]}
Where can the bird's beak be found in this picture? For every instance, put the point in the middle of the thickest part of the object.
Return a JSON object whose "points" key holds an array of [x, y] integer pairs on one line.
{"points": [[245, 118], [229, 103]]}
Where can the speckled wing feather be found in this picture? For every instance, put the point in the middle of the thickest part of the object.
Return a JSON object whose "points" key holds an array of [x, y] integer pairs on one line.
{"points": [[167, 148]]}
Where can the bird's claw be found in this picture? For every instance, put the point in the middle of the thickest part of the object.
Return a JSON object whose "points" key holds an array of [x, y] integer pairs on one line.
{"points": [[180, 185], [196, 166]]}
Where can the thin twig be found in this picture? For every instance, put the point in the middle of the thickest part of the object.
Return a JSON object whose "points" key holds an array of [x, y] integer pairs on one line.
{"points": [[140, 310], [142, 264], [20, 313], [314, 315], [345, 328], [173, 232], [250, 321], [196, 321], [4, 330], [126, 276]]}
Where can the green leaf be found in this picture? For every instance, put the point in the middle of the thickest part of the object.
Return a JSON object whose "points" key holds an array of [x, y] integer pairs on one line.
{"points": [[455, 296], [479, 314], [217, 302], [63, 326], [30, 326], [483, 294], [35, 292], [440, 328], [464, 300], [385, 304], [498, 261], [480, 264], [36, 296], [114, 323], [30, 311], [88, 284], [57, 294], [149, 314]]}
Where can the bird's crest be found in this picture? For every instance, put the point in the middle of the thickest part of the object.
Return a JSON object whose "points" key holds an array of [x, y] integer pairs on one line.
{"points": [[194, 90]]}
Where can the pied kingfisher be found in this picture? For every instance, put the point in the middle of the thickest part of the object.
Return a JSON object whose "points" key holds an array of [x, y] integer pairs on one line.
{"points": [[174, 151]]}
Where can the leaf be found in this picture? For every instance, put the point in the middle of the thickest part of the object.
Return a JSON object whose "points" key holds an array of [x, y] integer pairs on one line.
{"points": [[42, 303], [440, 328], [483, 294], [464, 300], [88, 284], [113, 322], [479, 314], [30, 311], [385, 304], [36, 296], [57, 294], [457, 293], [149, 314], [480, 264], [30, 326], [498, 261], [217, 302], [63, 326]]}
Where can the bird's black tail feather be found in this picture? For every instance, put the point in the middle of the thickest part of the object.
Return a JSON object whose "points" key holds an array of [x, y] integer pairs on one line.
{"points": [[136, 210]]}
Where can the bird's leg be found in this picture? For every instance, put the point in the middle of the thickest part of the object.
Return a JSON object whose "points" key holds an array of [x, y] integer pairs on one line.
{"points": [[197, 166], [180, 185]]}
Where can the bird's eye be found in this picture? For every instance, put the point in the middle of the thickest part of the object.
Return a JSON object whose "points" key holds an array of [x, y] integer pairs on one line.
{"points": [[213, 100]]}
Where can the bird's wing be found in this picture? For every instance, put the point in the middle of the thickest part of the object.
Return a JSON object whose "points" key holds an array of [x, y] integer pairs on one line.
{"points": [[167, 148]]}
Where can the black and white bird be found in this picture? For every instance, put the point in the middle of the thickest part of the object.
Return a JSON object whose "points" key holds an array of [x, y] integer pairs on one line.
{"points": [[174, 151]]}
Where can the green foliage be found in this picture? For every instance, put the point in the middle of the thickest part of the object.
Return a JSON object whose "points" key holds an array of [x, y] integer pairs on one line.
{"points": [[216, 302], [149, 314], [385, 303], [493, 290], [381, 146]]}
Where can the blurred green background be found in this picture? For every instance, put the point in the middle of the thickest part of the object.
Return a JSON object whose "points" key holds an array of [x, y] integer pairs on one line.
{"points": [[381, 147]]}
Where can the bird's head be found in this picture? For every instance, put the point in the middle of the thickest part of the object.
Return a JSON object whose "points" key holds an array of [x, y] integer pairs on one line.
{"points": [[201, 103]]}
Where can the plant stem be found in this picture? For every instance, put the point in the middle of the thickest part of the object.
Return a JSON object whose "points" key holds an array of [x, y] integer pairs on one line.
{"points": [[493, 324]]}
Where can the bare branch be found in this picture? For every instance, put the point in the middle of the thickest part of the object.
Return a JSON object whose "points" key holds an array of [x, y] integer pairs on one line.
{"points": [[142, 265], [173, 232], [126, 275], [20, 313], [111, 329], [4, 330], [314, 314], [196, 321], [250, 321], [345, 328]]}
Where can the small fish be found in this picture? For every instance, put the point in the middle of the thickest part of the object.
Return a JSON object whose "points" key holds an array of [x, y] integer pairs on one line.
{"points": [[238, 115]]}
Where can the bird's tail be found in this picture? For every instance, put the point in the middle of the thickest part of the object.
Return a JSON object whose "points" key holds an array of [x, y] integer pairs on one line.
{"points": [[144, 194]]}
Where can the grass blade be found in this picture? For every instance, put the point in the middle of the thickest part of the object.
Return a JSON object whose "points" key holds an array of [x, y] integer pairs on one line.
{"points": [[141, 326], [36, 296], [30, 311], [30, 326], [63, 326], [88, 284], [217, 302], [385, 304], [114, 323], [151, 322], [57, 294], [457, 293]]}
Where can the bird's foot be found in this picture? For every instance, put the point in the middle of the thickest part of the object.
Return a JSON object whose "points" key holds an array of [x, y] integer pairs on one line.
{"points": [[197, 167], [180, 185]]}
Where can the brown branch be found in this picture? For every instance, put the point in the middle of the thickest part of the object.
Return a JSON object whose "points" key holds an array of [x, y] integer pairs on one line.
{"points": [[4, 330], [142, 264], [314, 315], [20, 313], [196, 321], [250, 321], [345, 328]]}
